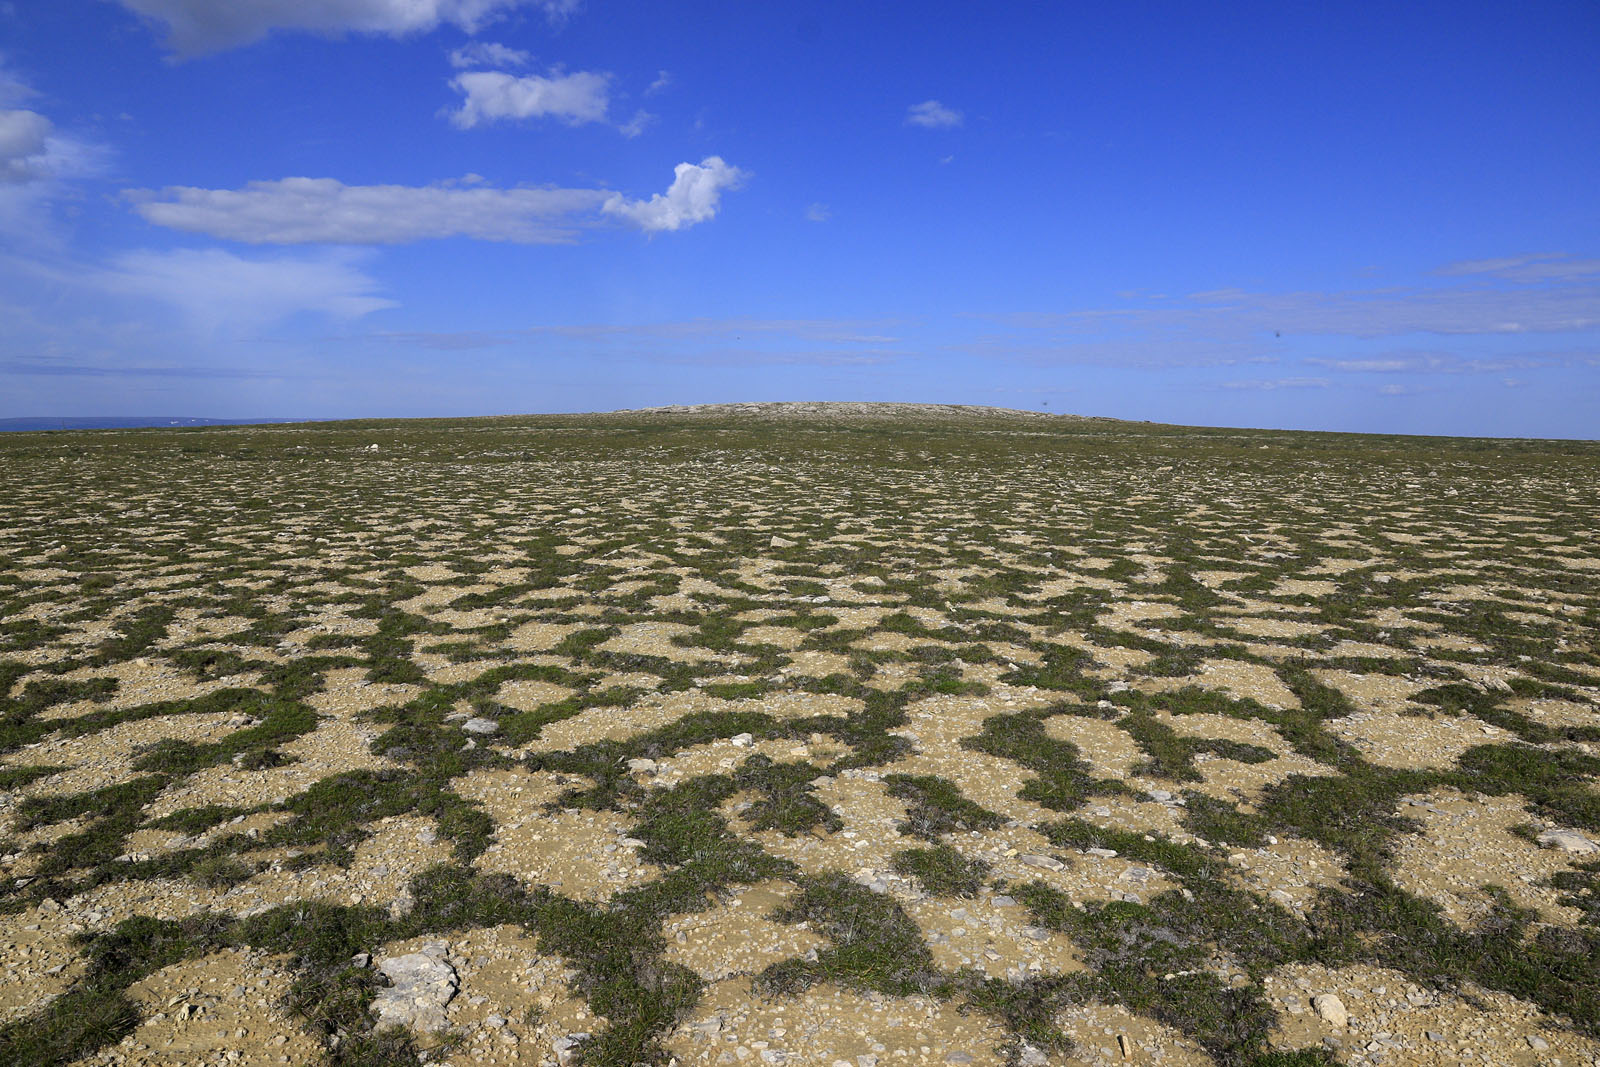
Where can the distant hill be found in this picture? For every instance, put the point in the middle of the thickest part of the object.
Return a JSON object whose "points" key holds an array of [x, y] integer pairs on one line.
{"points": [[127, 422]]}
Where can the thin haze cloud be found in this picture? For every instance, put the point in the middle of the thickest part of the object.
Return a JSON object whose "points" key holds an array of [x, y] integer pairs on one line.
{"points": [[1357, 313], [932, 115], [1543, 266], [214, 289]]}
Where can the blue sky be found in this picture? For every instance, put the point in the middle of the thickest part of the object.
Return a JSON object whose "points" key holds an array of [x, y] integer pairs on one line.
{"points": [[1355, 217]]}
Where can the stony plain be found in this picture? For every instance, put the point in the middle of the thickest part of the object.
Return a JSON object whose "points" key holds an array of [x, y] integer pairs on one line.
{"points": [[807, 734]]}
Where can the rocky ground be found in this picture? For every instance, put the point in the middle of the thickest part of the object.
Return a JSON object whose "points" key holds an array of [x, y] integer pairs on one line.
{"points": [[797, 734]]}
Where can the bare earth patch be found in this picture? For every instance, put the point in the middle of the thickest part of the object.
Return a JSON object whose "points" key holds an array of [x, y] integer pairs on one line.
{"points": [[829, 1025], [1412, 1024], [225, 1007], [1466, 843]]}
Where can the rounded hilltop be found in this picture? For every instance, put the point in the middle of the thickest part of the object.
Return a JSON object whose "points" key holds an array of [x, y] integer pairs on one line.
{"points": [[844, 409]]}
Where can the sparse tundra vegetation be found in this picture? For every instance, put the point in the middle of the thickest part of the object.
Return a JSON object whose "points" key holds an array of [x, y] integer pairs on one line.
{"points": [[807, 734]]}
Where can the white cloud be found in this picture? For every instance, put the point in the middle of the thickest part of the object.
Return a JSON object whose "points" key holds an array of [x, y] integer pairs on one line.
{"points": [[818, 213], [214, 289], [488, 54], [663, 80], [693, 197], [491, 95], [324, 210], [638, 124], [198, 26], [24, 137], [37, 164], [932, 115]]}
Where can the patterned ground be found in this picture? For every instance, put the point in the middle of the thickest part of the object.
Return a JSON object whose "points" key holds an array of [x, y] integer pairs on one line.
{"points": [[844, 739]]}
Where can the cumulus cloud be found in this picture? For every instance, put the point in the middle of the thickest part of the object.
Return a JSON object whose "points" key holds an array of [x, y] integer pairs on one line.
{"points": [[493, 95], [694, 196], [215, 289], [38, 162], [488, 54], [198, 26], [24, 142], [932, 115], [326, 211]]}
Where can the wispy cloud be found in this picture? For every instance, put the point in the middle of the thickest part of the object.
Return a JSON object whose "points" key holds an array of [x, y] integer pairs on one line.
{"points": [[488, 54], [1459, 309], [1534, 267], [818, 213], [730, 342], [638, 124], [13, 90], [835, 331], [1107, 352], [52, 369], [448, 340], [194, 27], [661, 84], [797, 358], [495, 96], [1407, 362], [932, 115], [326, 211], [1269, 384]]}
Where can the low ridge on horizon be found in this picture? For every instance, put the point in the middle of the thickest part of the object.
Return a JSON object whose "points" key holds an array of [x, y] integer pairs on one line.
{"points": [[841, 407]]}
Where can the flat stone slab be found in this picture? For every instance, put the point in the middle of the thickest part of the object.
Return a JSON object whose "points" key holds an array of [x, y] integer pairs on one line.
{"points": [[423, 983]]}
